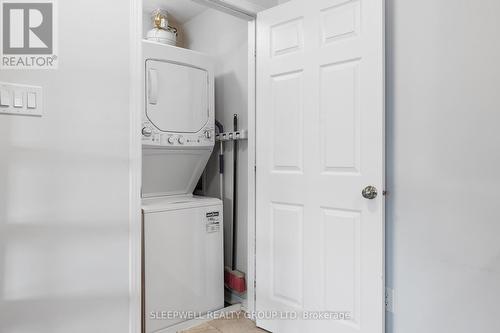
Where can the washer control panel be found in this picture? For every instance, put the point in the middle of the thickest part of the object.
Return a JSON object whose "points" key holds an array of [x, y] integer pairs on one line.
{"points": [[152, 136]]}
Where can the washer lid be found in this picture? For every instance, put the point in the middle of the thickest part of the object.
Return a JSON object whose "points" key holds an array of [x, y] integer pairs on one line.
{"points": [[164, 204], [177, 96]]}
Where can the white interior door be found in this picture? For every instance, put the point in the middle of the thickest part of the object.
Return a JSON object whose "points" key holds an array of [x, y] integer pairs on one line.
{"points": [[320, 143]]}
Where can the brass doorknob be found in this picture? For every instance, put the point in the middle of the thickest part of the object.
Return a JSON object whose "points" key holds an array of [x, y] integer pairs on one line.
{"points": [[370, 192]]}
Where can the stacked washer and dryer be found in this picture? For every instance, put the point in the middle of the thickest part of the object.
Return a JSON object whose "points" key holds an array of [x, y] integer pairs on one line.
{"points": [[183, 234]]}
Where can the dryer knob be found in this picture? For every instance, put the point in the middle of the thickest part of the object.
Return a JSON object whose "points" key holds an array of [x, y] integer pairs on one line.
{"points": [[171, 140], [147, 132], [182, 140]]}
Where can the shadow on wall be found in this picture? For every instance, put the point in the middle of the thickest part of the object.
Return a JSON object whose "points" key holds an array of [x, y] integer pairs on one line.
{"points": [[230, 98], [389, 230], [64, 195], [55, 269], [4, 176], [443, 253]]}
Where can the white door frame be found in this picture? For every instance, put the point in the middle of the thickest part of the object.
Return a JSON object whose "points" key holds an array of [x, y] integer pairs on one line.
{"points": [[252, 155], [135, 166]]}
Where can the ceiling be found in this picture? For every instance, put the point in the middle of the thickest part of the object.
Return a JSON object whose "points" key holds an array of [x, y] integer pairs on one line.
{"points": [[184, 10]]}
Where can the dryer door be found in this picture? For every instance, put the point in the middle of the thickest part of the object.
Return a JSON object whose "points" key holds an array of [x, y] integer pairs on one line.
{"points": [[176, 96]]}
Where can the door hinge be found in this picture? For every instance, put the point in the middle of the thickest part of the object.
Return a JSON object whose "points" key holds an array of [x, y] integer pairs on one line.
{"points": [[389, 300]]}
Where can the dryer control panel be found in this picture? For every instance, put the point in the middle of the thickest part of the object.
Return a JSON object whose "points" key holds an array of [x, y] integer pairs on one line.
{"points": [[151, 136]]}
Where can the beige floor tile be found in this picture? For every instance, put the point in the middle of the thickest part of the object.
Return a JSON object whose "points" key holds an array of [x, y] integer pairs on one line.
{"points": [[205, 328], [233, 325], [237, 324]]}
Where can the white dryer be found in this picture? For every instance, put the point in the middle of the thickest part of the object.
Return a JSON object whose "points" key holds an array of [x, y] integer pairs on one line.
{"points": [[178, 132]]}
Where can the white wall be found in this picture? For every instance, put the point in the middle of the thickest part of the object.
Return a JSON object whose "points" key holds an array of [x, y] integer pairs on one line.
{"points": [[64, 183], [443, 227], [226, 39]]}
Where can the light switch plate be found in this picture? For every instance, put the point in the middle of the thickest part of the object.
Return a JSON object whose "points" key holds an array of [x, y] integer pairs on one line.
{"points": [[31, 100], [18, 98], [14, 99], [5, 97]]}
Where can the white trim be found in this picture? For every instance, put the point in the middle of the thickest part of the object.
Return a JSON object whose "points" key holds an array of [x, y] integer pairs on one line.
{"points": [[245, 5], [384, 159], [135, 168], [233, 298], [251, 166], [240, 8]]}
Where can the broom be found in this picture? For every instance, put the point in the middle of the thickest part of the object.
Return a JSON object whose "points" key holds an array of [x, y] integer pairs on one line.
{"points": [[234, 279]]}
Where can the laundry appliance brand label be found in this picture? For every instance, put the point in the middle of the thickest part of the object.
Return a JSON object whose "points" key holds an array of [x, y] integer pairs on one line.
{"points": [[213, 222]]}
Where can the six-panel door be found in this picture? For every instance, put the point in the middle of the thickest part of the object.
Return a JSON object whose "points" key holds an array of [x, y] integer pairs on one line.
{"points": [[320, 142]]}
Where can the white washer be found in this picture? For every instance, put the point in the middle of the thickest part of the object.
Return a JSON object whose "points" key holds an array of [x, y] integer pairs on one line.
{"points": [[178, 134], [183, 261]]}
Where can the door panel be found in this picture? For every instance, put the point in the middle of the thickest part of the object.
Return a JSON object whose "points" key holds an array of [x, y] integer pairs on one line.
{"points": [[339, 117], [320, 142], [288, 111]]}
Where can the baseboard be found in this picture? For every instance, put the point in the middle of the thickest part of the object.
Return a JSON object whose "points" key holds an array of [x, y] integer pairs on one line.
{"points": [[232, 298]]}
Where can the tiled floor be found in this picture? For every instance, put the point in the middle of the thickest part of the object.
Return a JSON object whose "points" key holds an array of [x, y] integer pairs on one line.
{"points": [[237, 324]]}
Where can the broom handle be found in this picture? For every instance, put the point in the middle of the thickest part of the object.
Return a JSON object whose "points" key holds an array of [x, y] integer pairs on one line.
{"points": [[235, 192]]}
